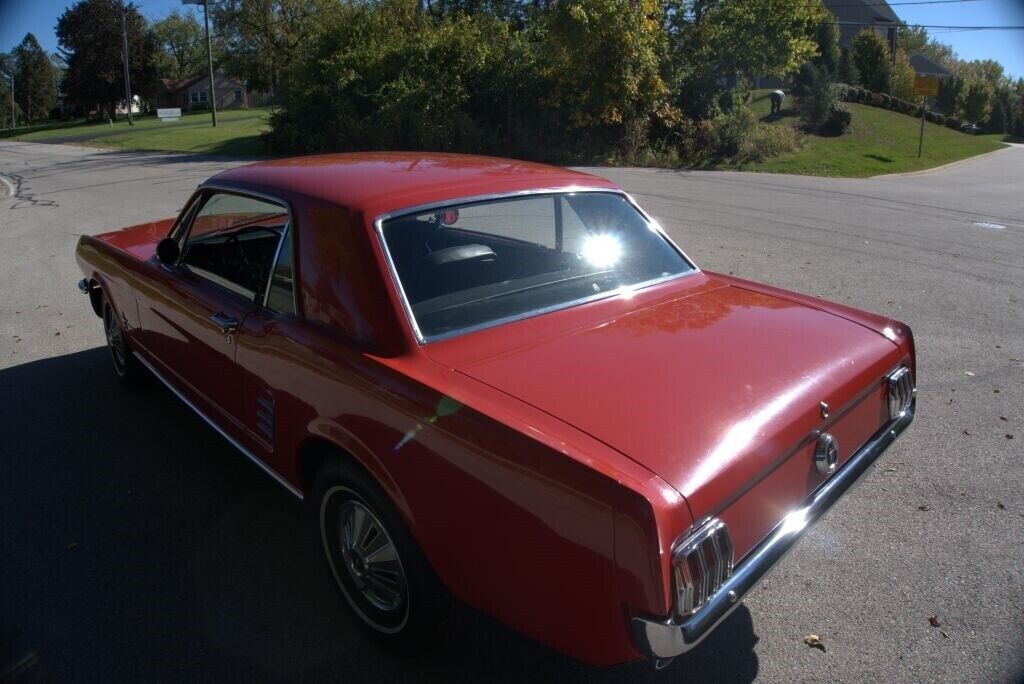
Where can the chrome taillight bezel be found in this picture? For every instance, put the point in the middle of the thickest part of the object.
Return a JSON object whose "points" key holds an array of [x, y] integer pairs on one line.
{"points": [[900, 392], [701, 563]]}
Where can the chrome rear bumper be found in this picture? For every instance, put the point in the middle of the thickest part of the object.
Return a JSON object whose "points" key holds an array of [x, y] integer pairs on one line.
{"points": [[667, 639]]}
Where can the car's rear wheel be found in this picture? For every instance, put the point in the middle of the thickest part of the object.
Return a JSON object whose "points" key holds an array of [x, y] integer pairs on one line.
{"points": [[127, 368], [376, 564]]}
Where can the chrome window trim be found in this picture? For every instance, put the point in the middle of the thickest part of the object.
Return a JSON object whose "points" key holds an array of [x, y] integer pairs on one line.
{"points": [[219, 281], [286, 234], [196, 202], [221, 431], [421, 339]]}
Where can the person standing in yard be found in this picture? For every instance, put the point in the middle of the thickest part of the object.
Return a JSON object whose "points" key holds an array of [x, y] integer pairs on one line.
{"points": [[777, 97]]}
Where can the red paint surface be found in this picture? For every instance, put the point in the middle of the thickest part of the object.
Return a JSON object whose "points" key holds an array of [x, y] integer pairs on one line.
{"points": [[586, 440]]}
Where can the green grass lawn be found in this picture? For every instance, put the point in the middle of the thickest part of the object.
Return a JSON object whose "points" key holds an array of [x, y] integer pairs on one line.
{"points": [[237, 133], [879, 141]]}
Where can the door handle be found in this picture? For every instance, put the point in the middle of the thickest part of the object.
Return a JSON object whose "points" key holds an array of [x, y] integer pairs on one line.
{"points": [[227, 324]]}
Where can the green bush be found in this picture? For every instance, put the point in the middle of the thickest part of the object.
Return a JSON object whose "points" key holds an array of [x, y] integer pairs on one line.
{"points": [[816, 105], [766, 140], [382, 76], [838, 121], [843, 92], [731, 130]]}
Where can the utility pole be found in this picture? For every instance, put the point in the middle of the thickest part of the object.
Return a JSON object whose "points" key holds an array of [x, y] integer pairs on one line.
{"points": [[124, 53], [13, 120], [920, 140], [209, 62]]}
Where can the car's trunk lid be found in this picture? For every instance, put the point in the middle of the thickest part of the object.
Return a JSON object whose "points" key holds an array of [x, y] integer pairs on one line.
{"points": [[714, 392]]}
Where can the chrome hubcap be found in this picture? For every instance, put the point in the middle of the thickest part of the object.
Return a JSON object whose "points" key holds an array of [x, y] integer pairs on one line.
{"points": [[115, 340], [370, 557]]}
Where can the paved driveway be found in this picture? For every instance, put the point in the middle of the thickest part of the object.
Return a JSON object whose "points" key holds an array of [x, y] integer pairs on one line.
{"points": [[135, 545]]}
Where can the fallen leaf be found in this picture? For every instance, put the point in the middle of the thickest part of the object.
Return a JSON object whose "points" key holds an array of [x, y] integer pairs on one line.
{"points": [[814, 641], [72, 545], [1000, 505], [933, 619], [57, 334], [969, 374], [995, 391], [1002, 418], [922, 507], [966, 432], [943, 633], [1009, 436]]}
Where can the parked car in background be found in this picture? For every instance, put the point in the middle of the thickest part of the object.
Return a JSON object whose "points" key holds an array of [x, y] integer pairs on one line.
{"points": [[502, 381], [971, 128]]}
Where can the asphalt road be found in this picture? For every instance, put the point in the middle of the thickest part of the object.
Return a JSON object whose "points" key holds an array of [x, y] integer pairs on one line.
{"points": [[136, 545]]}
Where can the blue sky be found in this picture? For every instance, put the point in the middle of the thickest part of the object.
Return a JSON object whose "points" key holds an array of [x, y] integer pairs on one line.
{"points": [[18, 17]]}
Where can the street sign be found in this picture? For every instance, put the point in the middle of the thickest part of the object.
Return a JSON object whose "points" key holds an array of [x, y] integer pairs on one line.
{"points": [[169, 114], [927, 86]]}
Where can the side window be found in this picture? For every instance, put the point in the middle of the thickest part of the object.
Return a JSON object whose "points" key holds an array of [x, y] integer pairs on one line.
{"points": [[281, 296], [233, 240]]}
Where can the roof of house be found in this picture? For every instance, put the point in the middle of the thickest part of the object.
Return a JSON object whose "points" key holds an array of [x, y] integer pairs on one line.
{"points": [[925, 66], [861, 11], [385, 182]]}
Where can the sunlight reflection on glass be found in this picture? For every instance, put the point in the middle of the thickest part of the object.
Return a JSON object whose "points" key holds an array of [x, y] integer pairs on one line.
{"points": [[602, 250]]}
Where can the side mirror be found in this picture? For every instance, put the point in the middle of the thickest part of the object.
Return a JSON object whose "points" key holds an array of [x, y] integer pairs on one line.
{"points": [[167, 252]]}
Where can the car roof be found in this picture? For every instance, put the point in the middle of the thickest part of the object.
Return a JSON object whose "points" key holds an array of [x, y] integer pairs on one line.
{"points": [[384, 182]]}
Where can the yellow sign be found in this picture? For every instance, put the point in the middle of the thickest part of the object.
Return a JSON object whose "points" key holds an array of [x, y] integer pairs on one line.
{"points": [[926, 85]]}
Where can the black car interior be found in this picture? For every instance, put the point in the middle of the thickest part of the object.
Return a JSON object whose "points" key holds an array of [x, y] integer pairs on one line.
{"points": [[437, 260], [244, 256]]}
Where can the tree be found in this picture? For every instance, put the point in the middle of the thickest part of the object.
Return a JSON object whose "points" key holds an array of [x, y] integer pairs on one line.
{"points": [[712, 39], [903, 77], [997, 118], [35, 88], [987, 70], [603, 58], [915, 39], [89, 35], [871, 56], [7, 66], [848, 73], [263, 37], [1002, 118], [826, 35], [182, 46], [950, 89], [817, 97], [975, 102]]}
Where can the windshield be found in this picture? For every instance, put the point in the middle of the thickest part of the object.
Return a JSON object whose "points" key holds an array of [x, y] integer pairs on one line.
{"points": [[477, 264]]}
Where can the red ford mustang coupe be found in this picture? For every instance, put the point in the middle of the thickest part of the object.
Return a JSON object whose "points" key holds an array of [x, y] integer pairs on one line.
{"points": [[502, 381]]}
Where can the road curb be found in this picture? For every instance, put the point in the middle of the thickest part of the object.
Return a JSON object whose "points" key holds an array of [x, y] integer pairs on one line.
{"points": [[6, 188], [944, 167]]}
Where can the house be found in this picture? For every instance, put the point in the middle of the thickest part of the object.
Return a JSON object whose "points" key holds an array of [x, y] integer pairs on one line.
{"points": [[923, 66], [194, 93], [853, 16]]}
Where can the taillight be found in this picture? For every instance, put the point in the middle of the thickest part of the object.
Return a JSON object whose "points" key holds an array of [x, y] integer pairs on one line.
{"points": [[701, 563], [901, 392]]}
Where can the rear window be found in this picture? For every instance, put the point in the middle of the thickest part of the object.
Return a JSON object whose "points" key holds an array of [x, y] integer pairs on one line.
{"points": [[473, 265]]}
